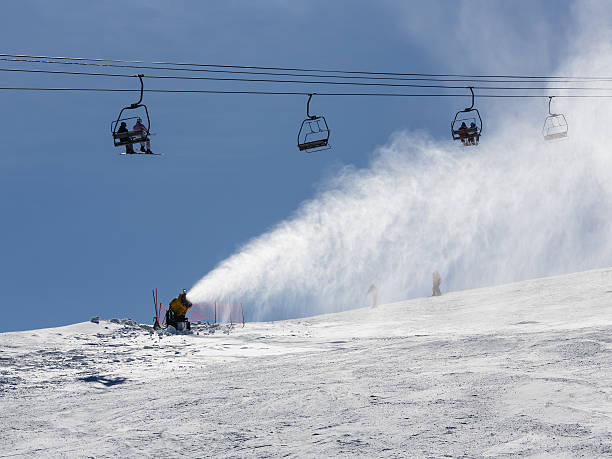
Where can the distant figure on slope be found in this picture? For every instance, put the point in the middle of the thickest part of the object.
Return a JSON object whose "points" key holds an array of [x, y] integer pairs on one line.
{"points": [[123, 135], [437, 280], [144, 135], [374, 291]]}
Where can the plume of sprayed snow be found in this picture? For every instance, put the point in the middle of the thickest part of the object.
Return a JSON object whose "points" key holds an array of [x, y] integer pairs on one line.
{"points": [[512, 208]]}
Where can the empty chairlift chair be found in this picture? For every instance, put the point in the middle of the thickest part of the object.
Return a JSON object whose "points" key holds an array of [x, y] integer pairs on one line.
{"points": [[467, 125], [555, 125], [314, 132], [131, 137]]}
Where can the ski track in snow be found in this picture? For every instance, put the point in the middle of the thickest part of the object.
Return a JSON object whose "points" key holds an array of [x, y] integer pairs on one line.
{"points": [[517, 370]]}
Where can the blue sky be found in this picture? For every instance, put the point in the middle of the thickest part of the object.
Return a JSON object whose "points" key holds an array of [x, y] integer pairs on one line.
{"points": [[87, 232]]}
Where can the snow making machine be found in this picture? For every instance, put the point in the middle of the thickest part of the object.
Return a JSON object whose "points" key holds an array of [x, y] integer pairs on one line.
{"points": [[176, 314]]}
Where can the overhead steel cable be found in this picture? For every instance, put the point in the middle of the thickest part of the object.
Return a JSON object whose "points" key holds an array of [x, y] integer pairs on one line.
{"points": [[296, 93], [359, 77], [352, 72], [340, 83]]}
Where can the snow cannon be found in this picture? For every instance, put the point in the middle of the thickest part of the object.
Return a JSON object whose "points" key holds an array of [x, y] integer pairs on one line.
{"points": [[176, 315]]}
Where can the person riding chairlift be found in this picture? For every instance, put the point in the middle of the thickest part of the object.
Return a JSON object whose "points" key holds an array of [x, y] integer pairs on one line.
{"points": [[473, 131], [143, 134], [123, 135], [462, 131]]}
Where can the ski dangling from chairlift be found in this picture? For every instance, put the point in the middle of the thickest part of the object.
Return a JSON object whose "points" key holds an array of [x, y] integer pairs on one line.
{"points": [[467, 124], [139, 132], [555, 125], [314, 132]]}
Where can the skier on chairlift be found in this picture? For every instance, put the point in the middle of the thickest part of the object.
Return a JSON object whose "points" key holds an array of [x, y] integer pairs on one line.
{"points": [[144, 133], [473, 139], [463, 132], [123, 134]]}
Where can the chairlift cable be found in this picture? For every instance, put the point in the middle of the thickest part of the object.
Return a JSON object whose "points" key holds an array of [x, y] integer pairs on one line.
{"points": [[341, 83], [457, 80], [124, 61], [295, 93]]}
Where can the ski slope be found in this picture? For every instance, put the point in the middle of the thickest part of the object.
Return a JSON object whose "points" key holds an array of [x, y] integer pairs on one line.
{"points": [[522, 369]]}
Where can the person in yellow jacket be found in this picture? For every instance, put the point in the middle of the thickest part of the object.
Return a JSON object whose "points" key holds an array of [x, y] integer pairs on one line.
{"points": [[178, 309]]}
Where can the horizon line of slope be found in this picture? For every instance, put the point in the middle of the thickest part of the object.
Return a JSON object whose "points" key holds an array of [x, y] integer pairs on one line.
{"points": [[565, 301]]}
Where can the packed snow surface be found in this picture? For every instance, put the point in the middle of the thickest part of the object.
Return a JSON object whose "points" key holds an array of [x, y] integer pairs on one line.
{"points": [[517, 370]]}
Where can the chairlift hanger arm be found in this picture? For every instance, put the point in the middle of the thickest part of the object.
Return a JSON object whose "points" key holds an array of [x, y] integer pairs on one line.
{"points": [[308, 115], [549, 101], [137, 104], [471, 88], [550, 113]]}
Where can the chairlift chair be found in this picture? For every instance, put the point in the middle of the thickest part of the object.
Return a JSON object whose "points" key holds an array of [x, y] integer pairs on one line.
{"points": [[314, 132], [470, 134], [555, 125], [132, 137]]}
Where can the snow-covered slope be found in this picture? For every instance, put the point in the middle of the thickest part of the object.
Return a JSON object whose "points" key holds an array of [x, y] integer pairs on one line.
{"points": [[520, 369]]}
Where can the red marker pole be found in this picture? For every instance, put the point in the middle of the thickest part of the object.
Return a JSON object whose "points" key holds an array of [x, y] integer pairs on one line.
{"points": [[155, 304]]}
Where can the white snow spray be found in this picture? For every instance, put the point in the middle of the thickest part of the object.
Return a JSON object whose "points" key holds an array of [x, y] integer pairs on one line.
{"points": [[513, 208]]}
